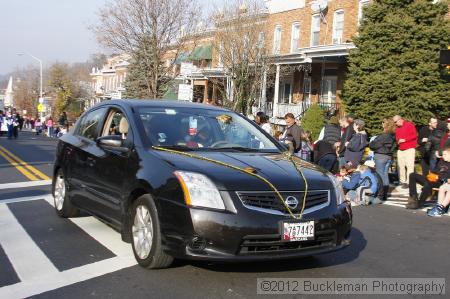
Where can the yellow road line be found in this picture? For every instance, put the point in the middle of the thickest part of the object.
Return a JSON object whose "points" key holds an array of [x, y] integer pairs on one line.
{"points": [[29, 167], [18, 167]]}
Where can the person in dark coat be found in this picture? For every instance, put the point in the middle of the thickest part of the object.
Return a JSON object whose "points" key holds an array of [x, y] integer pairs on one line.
{"points": [[293, 130], [354, 149], [416, 201], [383, 148], [347, 133], [428, 158], [325, 154], [331, 131]]}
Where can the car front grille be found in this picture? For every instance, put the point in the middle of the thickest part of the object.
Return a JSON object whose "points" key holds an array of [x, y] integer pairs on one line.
{"points": [[270, 202], [325, 236]]}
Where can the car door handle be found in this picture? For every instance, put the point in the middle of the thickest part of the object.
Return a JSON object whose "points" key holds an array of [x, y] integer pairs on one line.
{"points": [[91, 161]]}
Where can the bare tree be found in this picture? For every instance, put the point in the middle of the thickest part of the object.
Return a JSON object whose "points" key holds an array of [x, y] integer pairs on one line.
{"points": [[154, 32], [240, 44], [26, 90]]}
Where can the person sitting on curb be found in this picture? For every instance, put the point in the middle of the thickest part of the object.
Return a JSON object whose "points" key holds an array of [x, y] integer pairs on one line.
{"points": [[444, 192], [362, 187], [443, 201], [428, 182]]}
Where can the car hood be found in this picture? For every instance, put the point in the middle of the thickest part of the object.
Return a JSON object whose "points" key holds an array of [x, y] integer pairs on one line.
{"points": [[274, 167]]}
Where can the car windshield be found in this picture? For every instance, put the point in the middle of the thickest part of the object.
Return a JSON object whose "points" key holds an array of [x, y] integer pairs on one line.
{"points": [[203, 129]]}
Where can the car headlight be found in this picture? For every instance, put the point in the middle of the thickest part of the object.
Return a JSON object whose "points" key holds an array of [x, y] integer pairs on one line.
{"points": [[199, 190], [340, 197]]}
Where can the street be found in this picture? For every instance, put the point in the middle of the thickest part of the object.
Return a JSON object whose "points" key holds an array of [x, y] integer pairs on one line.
{"points": [[44, 256]]}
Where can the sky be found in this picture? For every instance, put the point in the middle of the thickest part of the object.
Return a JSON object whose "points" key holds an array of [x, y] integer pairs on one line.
{"points": [[51, 30]]}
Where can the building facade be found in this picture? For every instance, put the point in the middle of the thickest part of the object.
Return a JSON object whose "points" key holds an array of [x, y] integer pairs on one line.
{"points": [[309, 42], [108, 82]]}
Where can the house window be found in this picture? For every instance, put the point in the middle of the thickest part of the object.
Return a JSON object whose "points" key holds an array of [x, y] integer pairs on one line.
{"points": [[315, 30], [295, 34], [362, 4], [261, 40], [329, 88], [285, 93], [307, 88], [277, 40], [338, 27]]}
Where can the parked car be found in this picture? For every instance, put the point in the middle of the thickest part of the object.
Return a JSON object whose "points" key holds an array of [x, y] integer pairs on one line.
{"points": [[192, 181]]}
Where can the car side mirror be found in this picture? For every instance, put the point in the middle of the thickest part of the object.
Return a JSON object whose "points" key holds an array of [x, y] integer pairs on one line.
{"points": [[112, 142]]}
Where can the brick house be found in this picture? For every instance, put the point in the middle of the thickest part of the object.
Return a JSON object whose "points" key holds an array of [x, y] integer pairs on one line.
{"points": [[107, 82], [309, 42], [307, 46]]}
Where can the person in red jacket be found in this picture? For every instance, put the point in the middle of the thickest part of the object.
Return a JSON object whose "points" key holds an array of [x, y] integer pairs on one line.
{"points": [[406, 136]]}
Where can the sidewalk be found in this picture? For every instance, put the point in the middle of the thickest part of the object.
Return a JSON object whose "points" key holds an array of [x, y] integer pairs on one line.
{"points": [[398, 197]]}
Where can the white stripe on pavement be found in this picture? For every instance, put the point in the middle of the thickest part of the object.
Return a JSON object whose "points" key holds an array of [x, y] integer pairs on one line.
{"points": [[46, 280], [49, 282], [25, 184], [28, 260], [104, 235], [47, 197]]}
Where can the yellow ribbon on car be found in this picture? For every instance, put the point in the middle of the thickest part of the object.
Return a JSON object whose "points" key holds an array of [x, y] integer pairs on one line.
{"points": [[249, 172]]}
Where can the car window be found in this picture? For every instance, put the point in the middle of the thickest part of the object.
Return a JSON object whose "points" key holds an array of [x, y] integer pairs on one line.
{"points": [[89, 124], [203, 129], [116, 124]]}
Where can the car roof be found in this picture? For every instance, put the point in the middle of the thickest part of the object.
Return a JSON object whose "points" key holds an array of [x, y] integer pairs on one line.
{"points": [[160, 103]]}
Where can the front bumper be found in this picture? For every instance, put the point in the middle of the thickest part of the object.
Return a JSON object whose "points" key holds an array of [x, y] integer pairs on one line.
{"points": [[248, 235]]}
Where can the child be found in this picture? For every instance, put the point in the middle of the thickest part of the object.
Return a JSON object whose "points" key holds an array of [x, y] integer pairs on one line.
{"points": [[306, 146], [362, 187], [344, 174]]}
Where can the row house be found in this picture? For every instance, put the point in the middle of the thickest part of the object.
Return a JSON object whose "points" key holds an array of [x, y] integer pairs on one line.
{"points": [[201, 78], [108, 82], [309, 42]]}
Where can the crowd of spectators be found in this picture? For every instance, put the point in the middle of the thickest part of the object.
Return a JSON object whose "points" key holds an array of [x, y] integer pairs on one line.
{"points": [[365, 165]]}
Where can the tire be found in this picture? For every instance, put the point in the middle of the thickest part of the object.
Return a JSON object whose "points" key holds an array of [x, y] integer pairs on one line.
{"points": [[61, 199], [145, 231]]}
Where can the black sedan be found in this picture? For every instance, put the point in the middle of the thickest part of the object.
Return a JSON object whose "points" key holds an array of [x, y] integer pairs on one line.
{"points": [[192, 181]]}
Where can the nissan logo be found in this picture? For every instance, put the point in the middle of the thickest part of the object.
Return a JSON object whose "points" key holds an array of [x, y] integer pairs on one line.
{"points": [[291, 202]]}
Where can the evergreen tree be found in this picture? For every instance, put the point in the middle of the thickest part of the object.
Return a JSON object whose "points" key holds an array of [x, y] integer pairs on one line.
{"points": [[313, 120], [144, 70], [395, 67]]}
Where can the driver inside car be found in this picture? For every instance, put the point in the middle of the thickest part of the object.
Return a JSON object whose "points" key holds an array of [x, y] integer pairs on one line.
{"points": [[196, 136]]}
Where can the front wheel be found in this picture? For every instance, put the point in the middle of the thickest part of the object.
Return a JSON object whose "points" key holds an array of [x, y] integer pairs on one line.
{"points": [[63, 205], [146, 234]]}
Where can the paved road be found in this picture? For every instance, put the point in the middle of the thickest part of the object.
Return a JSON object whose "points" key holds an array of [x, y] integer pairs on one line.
{"points": [[45, 256]]}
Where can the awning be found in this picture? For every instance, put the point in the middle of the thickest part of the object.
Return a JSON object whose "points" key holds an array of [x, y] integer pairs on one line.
{"points": [[203, 52]]}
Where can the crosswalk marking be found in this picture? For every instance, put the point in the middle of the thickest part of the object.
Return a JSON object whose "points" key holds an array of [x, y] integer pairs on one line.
{"points": [[47, 197], [44, 279], [26, 257], [100, 232], [48, 282], [25, 184]]}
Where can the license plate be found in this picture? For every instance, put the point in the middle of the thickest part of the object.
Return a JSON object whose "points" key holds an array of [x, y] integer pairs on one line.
{"points": [[298, 231]]}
